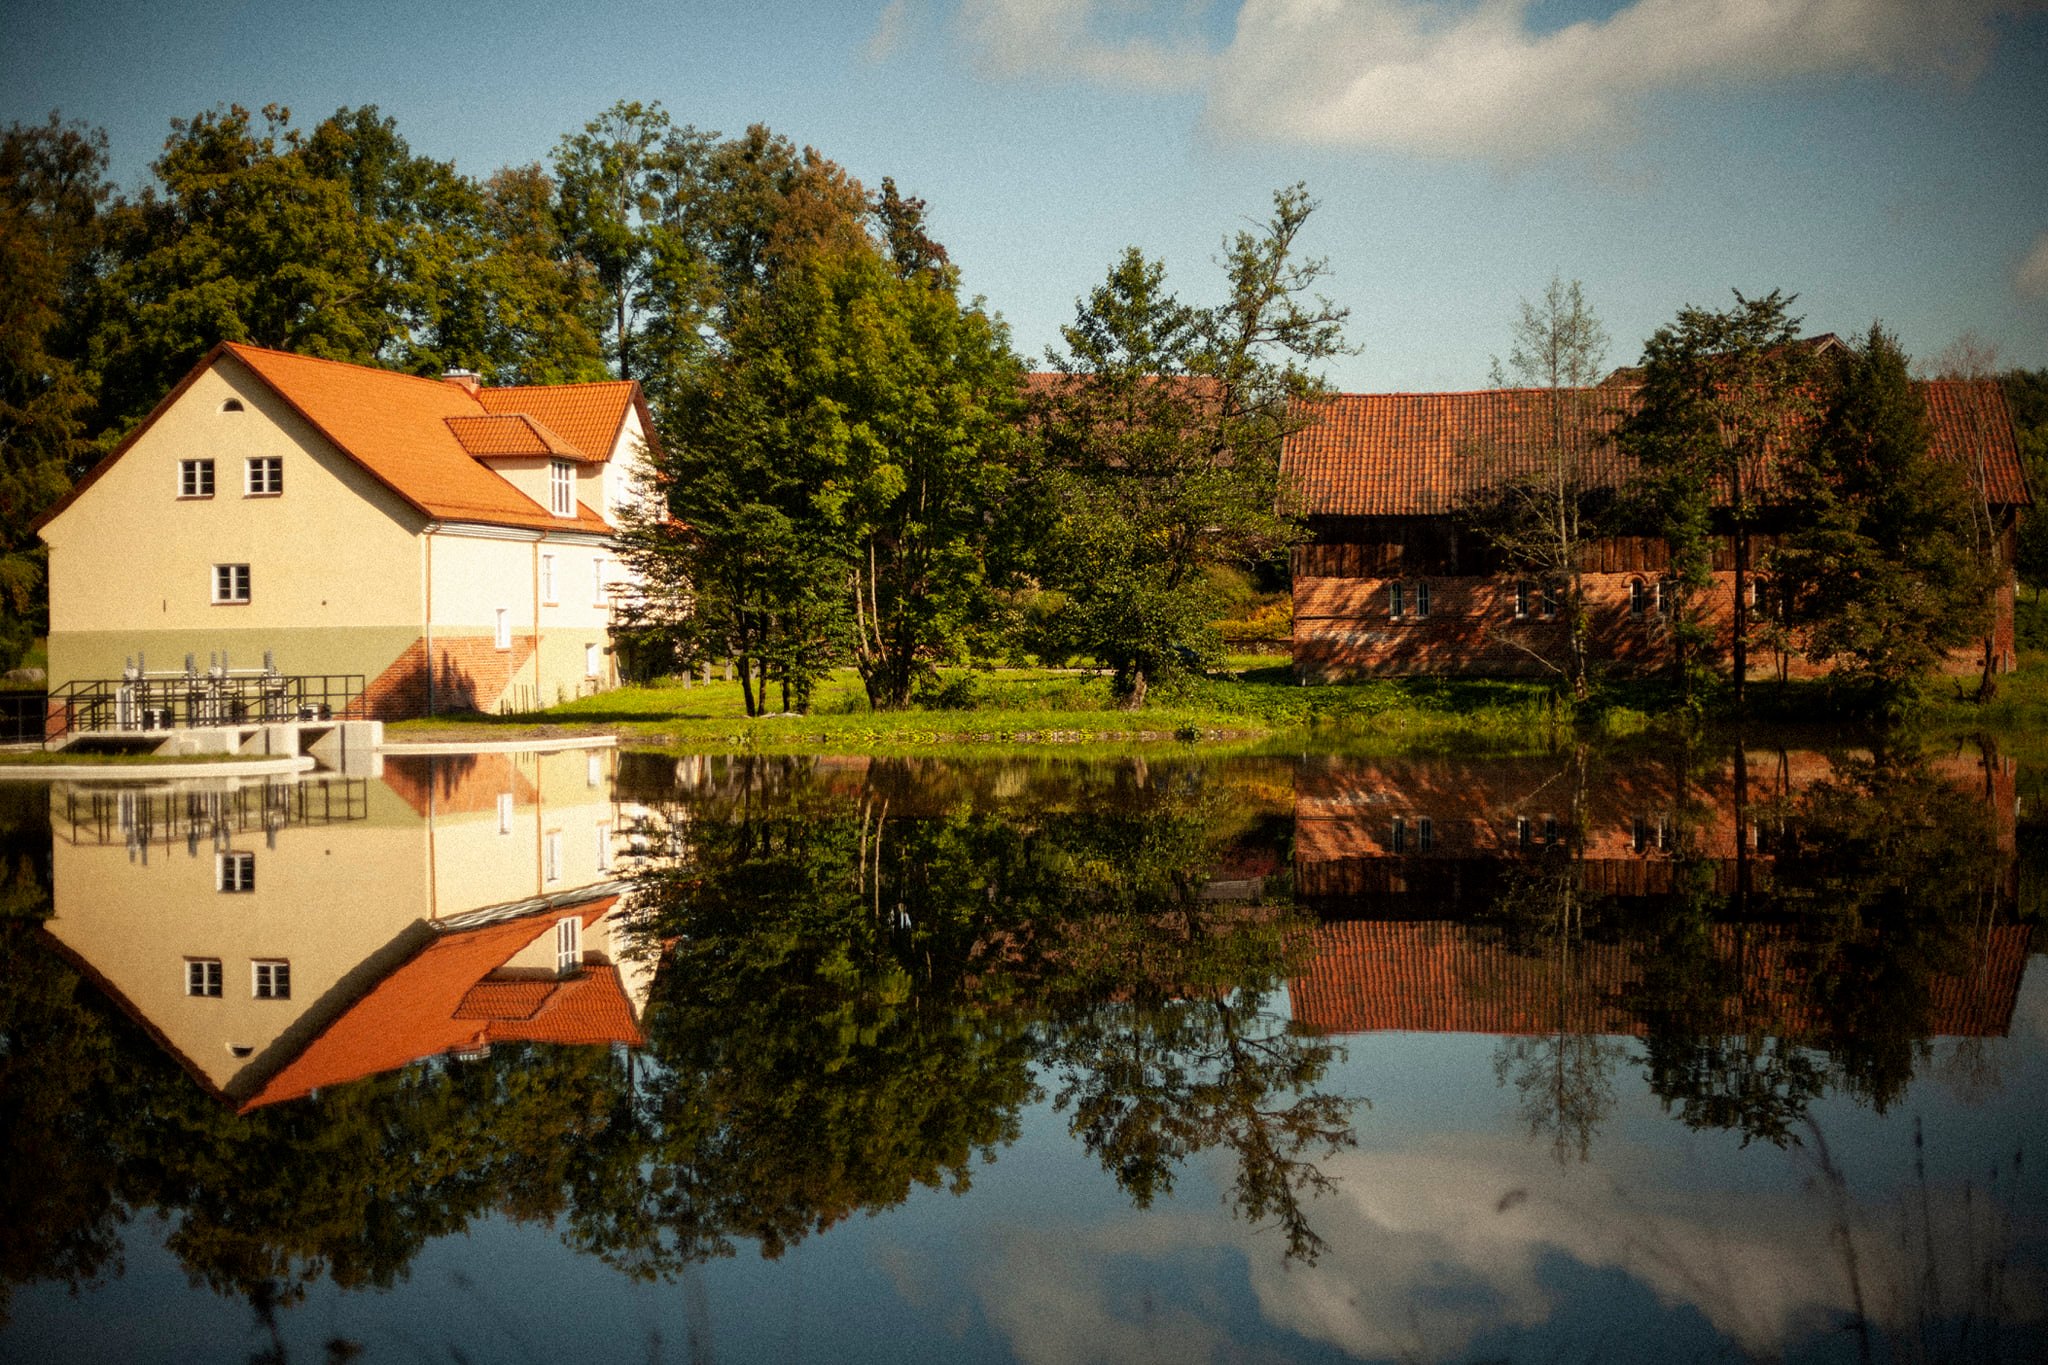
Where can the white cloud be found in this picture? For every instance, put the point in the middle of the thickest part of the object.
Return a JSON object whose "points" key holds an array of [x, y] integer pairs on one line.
{"points": [[889, 31], [2032, 279], [1078, 38], [1474, 80]]}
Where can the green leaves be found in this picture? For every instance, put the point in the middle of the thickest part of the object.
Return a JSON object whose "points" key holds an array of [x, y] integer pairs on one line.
{"points": [[1161, 440]]}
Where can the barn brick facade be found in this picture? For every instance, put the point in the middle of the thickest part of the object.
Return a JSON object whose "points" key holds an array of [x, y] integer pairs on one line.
{"points": [[1398, 580]]}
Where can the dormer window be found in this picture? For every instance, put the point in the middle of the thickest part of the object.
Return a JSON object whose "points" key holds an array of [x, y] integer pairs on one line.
{"points": [[562, 488]]}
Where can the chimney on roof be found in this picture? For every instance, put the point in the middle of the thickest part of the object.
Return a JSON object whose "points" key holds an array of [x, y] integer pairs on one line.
{"points": [[469, 381]]}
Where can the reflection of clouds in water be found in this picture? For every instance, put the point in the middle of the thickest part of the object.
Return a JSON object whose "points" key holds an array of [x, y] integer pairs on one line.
{"points": [[1430, 1250], [1053, 1293], [1427, 1250]]}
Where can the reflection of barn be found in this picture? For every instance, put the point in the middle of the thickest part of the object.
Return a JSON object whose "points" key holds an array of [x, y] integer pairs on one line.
{"points": [[1398, 580], [1404, 860], [1448, 977]]}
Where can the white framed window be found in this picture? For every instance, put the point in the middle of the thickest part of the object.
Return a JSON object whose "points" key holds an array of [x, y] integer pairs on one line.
{"points": [[547, 580], [604, 848], [562, 488], [1425, 834], [195, 478], [264, 477], [1422, 598], [1521, 599], [1395, 599], [1398, 841], [504, 628], [597, 595], [234, 872], [593, 768], [1521, 831], [593, 661], [1638, 597], [202, 977], [568, 944], [230, 584], [1548, 601], [270, 980], [504, 812], [551, 856]]}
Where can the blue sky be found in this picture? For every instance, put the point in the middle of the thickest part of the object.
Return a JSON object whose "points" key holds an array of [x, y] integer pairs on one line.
{"points": [[1881, 158]]}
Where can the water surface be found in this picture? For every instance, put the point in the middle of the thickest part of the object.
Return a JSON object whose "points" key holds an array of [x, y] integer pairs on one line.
{"points": [[587, 1055]]}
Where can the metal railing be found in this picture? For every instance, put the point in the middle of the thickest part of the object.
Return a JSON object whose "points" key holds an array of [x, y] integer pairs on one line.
{"points": [[166, 701], [143, 817]]}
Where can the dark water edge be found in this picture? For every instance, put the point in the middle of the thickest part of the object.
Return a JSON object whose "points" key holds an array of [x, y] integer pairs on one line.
{"points": [[1707, 1056]]}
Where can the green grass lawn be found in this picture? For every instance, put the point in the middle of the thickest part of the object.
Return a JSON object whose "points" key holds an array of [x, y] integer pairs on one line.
{"points": [[1257, 699], [1254, 700]]}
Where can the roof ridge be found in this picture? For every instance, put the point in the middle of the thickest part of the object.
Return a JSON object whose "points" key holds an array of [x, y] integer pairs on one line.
{"points": [[235, 347]]}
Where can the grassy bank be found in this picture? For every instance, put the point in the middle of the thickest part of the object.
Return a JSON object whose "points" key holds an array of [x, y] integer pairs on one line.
{"points": [[1255, 702]]}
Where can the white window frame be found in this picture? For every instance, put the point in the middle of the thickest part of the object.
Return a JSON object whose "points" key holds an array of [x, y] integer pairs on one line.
{"points": [[203, 978], [547, 580], [551, 856], [568, 944], [1521, 607], [504, 631], [263, 476], [231, 585], [604, 848], [562, 488], [195, 479], [504, 812], [1395, 596], [1421, 599], [593, 661], [270, 978], [234, 872], [597, 593]]}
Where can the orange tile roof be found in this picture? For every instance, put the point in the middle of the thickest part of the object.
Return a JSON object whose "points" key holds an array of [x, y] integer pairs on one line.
{"points": [[1421, 454], [395, 425], [511, 433], [445, 999], [421, 437], [588, 416]]}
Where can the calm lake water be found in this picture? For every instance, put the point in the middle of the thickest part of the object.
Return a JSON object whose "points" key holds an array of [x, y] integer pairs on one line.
{"points": [[594, 1056]]}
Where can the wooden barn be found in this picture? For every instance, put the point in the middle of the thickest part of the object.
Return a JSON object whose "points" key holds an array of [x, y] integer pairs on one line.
{"points": [[1398, 578]]}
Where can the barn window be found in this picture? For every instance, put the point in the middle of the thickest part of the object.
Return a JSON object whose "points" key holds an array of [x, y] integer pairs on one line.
{"points": [[1422, 599], [1638, 597], [1394, 599], [1521, 599]]}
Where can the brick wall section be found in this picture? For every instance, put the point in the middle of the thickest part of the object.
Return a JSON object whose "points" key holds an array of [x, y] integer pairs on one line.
{"points": [[470, 673], [1344, 628]]}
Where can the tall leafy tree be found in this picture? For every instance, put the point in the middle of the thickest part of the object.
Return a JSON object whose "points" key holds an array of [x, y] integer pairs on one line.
{"points": [[1880, 574], [2026, 391], [1543, 514], [1162, 433], [53, 190], [1722, 395]]}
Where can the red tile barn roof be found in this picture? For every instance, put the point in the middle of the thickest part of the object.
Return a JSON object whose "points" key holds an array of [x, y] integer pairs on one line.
{"points": [[1417, 454]]}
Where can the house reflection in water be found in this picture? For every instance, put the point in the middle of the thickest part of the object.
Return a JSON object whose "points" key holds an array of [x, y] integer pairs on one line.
{"points": [[283, 935], [1535, 895]]}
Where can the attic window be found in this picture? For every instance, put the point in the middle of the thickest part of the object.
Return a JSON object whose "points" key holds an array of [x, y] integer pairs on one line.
{"points": [[561, 488], [232, 405]]}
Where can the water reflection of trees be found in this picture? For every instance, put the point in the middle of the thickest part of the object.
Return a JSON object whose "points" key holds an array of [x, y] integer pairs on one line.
{"points": [[867, 974], [1798, 950]]}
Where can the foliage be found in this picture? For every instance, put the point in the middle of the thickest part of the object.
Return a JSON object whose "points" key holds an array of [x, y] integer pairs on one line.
{"points": [[52, 195], [1542, 520], [1723, 396], [2026, 391], [1160, 439], [1879, 576]]}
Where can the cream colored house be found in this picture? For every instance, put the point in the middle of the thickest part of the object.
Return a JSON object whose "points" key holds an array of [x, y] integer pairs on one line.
{"points": [[449, 542]]}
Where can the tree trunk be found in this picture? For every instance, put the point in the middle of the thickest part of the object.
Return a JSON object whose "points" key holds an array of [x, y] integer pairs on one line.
{"points": [[1134, 697], [1741, 587]]}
